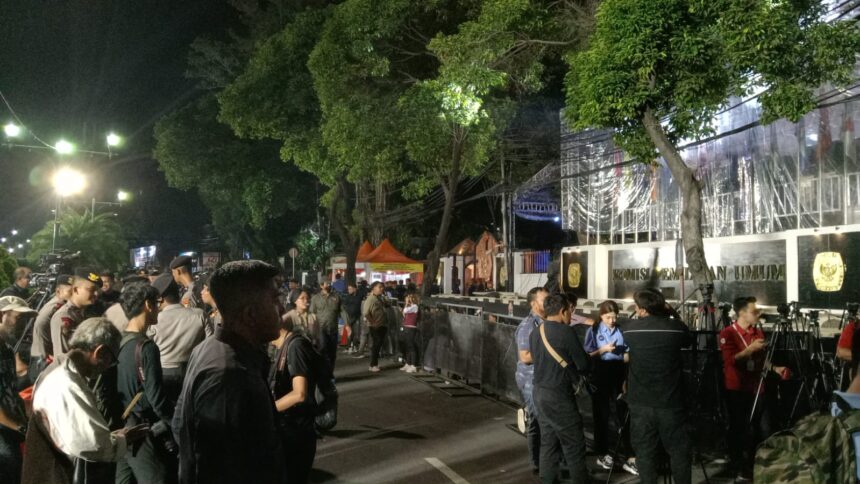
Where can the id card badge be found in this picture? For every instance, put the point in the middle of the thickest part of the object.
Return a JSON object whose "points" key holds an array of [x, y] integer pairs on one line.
{"points": [[750, 365]]}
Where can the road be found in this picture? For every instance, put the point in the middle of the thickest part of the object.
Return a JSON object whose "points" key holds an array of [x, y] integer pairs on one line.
{"points": [[393, 428]]}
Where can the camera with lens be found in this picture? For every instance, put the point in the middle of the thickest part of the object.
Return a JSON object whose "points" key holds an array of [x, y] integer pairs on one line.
{"points": [[783, 309], [852, 308]]}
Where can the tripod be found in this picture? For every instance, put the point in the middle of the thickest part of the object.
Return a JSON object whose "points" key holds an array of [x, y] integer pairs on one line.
{"points": [[823, 368], [706, 340]]}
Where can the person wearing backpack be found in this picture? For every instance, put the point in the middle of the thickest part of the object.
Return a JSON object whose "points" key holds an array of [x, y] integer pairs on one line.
{"points": [[293, 379], [559, 365], [141, 391]]}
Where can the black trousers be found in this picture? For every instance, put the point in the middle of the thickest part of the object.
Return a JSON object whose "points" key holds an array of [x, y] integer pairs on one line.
{"points": [[300, 448], [171, 383], [150, 464], [609, 379], [378, 335], [561, 433], [328, 343], [648, 428], [744, 435], [411, 345]]}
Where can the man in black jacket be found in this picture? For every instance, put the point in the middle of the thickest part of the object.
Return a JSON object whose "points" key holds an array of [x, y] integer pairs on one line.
{"points": [[20, 287], [139, 372], [655, 392], [225, 418], [558, 358]]}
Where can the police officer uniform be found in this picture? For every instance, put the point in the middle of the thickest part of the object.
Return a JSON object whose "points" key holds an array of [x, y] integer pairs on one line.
{"points": [[67, 318], [43, 346], [191, 296]]}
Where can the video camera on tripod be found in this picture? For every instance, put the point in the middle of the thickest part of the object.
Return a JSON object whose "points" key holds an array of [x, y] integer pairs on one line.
{"points": [[51, 265]]}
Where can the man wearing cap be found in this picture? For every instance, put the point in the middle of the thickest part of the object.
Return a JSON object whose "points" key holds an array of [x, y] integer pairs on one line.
{"points": [[43, 346], [326, 306], [20, 287], [178, 331], [11, 309], [67, 318]]}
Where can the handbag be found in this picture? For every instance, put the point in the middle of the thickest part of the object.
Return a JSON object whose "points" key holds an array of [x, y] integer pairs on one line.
{"points": [[579, 381]]}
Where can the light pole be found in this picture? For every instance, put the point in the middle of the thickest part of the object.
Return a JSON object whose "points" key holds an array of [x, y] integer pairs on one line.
{"points": [[66, 182]]}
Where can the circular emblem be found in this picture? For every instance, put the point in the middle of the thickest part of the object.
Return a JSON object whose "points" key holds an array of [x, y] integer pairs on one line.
{"points": [[600, 338], [722, 341]]}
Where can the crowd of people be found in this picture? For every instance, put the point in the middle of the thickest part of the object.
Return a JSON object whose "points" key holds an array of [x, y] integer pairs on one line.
{"points": [[632, 368], [168, 377]]}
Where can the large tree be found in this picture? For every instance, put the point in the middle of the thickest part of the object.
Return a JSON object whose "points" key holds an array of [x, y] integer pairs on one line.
{"points": [[256, 201], [389, 109], [658, 71], [98, 238]]}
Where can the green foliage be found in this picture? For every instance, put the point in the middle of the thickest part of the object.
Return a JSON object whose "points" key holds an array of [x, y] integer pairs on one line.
{"points": [[243, 183], [99, 239], [7, 267], [682, 60], [314, 251]]}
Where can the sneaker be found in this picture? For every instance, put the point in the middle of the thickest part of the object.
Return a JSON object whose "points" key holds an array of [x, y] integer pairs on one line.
{"points": [[404, 368], [411, 369], [521, 420], [359, 355], [605, 462], [630, 467], [374, 369]]}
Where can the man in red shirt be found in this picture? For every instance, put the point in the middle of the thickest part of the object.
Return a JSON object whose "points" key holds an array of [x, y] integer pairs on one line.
{"points": [[742, 345], [846, 342]]}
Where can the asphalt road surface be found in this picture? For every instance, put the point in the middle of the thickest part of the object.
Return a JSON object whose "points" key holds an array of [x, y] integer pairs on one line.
{"points": [[393, 428]]}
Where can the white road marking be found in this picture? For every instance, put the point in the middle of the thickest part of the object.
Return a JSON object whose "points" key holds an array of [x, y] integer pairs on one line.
{"points": [[449, 473]]}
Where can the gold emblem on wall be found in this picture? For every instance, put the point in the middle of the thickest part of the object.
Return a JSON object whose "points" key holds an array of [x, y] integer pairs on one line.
{"points": [[574, 275], [828, 271]]}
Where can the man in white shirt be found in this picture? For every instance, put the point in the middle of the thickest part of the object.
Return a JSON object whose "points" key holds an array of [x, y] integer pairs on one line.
{"points": [[178, 331], [65, 409]]}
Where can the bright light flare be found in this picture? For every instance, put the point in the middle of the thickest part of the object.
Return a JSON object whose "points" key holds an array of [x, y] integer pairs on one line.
{"points": [[63, 147], [12, 130], [14, 232], [113, 139], [68, 181], [123, 196]]}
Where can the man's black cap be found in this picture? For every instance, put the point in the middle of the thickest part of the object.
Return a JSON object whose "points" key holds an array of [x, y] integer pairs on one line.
{"points": [[165, 284], [182, 260], [65, 280], [89, 275]]}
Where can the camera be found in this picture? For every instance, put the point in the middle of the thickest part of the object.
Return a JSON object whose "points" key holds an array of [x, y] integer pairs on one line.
{"points": [[852, 308], [783, 309]]}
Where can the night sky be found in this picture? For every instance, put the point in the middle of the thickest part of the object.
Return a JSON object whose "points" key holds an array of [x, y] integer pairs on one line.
{"points": [[79, 69]]}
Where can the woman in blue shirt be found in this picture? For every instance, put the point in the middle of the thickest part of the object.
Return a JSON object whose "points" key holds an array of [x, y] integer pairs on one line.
{"points": [[605, 343]]}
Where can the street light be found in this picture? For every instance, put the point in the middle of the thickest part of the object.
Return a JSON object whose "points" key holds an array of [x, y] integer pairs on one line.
{"points": [[2, 240], [12, 130], [14, 232], [20, 246], [123, 196], [113, 139], [11, 250], [63, 147], [68, 181]]}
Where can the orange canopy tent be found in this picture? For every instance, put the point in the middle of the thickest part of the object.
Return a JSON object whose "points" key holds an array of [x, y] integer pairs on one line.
{"points": [[386, 258], [364, 251]]}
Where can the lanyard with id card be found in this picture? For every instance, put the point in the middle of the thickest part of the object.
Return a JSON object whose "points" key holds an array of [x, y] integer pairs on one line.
{"points": [[750, 362]]}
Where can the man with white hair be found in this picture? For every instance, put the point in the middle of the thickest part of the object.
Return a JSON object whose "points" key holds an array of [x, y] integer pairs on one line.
{"points": [[66, 415]]}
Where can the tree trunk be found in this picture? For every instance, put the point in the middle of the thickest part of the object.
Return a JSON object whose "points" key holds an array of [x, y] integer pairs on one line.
{"points": [[691, 195], [449, 186], [340, 215]]}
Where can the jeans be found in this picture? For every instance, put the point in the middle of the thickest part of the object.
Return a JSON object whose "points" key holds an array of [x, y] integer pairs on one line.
{"points": [[532, 424], [378, 334], [609, 378], [651, 426], [411, 339], [561, 434], [363, 335], [328, 343], [744, 436], [150, 464]]}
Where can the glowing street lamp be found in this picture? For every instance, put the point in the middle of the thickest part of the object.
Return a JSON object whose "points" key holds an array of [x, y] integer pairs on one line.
{"points": [[20, 246], [2, 240], [123, 196], [12, 130], [67, 181], [113, 139], [63, 147], [14, 232]]}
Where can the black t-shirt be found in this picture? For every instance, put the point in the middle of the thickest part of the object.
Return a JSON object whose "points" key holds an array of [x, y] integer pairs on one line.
{"points": [[548, 372], [299, 361], [655, 375], [153, 404]]}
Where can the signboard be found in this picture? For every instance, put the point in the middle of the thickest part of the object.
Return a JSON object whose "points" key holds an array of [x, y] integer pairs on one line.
{"points": [[827, 275], [211, 260], [143, 256], [738, 269], [574, 273]]}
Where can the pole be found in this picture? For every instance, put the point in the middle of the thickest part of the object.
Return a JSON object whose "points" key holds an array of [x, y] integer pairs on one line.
{"points": [[56, 224], [294, 268], [93, 210]]}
